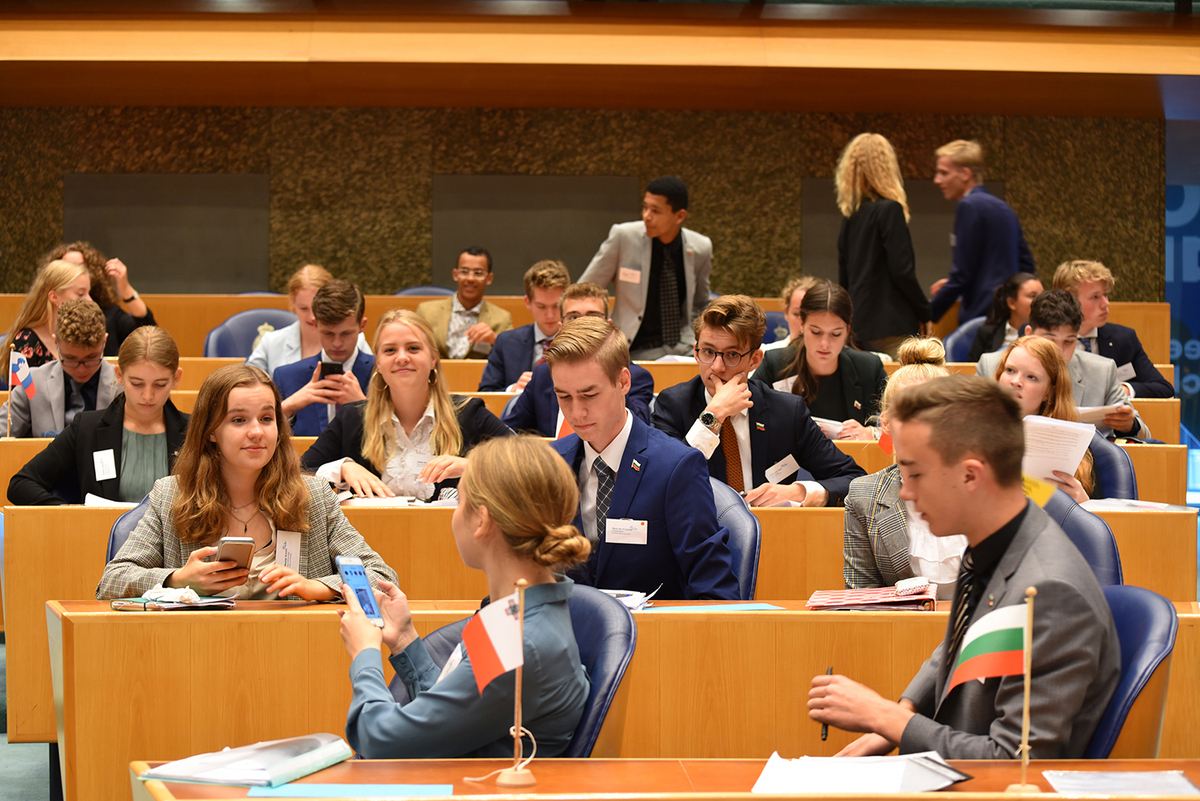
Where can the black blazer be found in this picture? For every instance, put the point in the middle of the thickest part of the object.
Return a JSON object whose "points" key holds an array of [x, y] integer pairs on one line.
{"points": [[120, 324], [988, 339], [779, 424], [66, 470], [877, 267], [1121, 344], [342, 438], [862, 374]]}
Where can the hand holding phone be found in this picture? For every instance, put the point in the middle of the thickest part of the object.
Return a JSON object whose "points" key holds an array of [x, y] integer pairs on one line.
{"points": [[350, 568], [239, 550], [331, 368]]}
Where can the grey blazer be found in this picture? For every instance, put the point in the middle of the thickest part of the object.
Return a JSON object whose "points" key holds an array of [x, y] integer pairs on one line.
{"points": [[875, 532], [45, 411], [628, 247], [1076, 661], [1095, 381]]}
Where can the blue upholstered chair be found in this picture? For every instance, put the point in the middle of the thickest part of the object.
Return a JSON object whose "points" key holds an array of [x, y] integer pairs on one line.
{"points": [[1131, 727], [428, 291], [237, 335], [745, 535], [606, 635], [958, 342], [1113, 469], [124, 526], [1091, 536], [777, 328]]}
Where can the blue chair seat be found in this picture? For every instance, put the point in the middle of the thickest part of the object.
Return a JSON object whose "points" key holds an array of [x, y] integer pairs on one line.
{"points": [[745, 535], [236, 336], [1091, 536], [425, 290], [958, 342]]}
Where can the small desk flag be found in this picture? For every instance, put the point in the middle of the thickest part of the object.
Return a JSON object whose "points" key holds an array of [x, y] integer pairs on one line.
{"points": [[993, 646], [493, 640], [19, 373]]}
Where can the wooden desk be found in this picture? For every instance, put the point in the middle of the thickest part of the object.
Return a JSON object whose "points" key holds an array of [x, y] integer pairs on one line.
{"points": [[701, 685], [1161, 472], [494, 401], [1162, 416], [198, 368], [642, 779], [968, 368], [1152, 321]]}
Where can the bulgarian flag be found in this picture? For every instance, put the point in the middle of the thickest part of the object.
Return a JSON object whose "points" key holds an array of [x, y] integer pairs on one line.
{"points": [[493, 640], [993, 646], [18, 369]]}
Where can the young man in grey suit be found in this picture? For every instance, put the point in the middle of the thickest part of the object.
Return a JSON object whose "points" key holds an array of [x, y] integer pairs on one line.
{"points": [[959, 443], [80, 380], [660, 271]]}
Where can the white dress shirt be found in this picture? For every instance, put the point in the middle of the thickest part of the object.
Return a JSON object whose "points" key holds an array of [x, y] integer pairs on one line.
{"points": [[401, 472], [461, 318], [588, 482]]}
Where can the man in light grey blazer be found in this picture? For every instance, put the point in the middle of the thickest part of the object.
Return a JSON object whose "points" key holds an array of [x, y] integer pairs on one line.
{"points": [[1056, 316], [79, 381], [959, 443], [660, 273]]}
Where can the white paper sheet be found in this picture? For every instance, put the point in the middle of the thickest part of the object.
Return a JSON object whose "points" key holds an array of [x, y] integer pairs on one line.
{"points": [[1054, 445]]}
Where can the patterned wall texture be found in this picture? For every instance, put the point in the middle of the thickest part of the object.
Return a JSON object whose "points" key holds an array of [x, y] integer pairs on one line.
{"points": [[352, 188]]}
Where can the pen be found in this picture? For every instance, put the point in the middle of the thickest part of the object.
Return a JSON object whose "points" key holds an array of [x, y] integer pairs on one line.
{"points": [[825, 726]]}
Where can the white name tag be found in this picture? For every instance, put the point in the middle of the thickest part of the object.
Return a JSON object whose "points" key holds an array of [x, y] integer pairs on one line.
{"points": [[953, 241], [625, 532], [1126, 372], [420, 460], [287, 549], [630, 275], [106, 465], [777, 472]]}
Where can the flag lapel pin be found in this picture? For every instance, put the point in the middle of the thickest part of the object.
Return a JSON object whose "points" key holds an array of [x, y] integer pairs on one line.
{"points": [[858, 405], [636, 465], [760, 426]]}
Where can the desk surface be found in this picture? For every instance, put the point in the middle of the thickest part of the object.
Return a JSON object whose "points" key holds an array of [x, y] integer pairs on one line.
{"points": [[637, 778]]}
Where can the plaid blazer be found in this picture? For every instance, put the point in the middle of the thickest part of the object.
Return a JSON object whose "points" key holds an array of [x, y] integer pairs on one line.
{"points": [[153, 551], [875, 533]]}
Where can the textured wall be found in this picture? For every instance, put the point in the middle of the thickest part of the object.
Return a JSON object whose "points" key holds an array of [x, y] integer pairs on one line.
{"points": [[352, 188]]}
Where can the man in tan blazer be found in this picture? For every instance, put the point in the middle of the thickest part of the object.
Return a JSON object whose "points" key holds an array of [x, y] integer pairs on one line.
{"points": [[465, 325]]}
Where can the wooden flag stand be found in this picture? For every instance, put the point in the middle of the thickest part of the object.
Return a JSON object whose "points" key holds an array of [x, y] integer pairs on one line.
{"points": [[518, 775], [8, 426], [1030, 592]]}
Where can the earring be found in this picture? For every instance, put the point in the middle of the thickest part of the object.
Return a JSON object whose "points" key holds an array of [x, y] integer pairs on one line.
{"points": [[432, 377]]}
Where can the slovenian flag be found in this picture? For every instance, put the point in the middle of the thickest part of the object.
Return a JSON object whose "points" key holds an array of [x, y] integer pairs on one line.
{"points": [[19, 373], [493, 640], [993, 646]]}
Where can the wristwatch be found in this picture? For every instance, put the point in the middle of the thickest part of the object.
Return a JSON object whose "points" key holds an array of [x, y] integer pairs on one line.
{"points": [[708, 420], [131, 298]]}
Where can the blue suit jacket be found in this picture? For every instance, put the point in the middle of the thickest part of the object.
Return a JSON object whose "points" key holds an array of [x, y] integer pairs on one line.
{"points": [[312, 419], [1121, 344], [512, 355], [779, 424], [536, 409], [989, 246], [686, 551]]}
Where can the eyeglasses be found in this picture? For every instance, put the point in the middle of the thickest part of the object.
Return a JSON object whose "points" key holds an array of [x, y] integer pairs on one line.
{"points": [[729, 357], [478, 274], [74, 363], [569, 316]]}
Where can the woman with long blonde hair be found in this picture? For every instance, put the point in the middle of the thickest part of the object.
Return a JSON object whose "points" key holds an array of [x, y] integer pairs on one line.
{"points": [[110, 288], [875, 254], [410, 435], [238, 476], [32, 332]]}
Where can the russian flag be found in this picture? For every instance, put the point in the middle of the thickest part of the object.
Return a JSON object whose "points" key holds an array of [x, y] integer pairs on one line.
{"points": [[493, 640], [19, 373]]}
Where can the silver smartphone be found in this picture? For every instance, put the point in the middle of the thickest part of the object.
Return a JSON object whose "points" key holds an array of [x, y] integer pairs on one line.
{"points": [[239, 550], [350, 568]]}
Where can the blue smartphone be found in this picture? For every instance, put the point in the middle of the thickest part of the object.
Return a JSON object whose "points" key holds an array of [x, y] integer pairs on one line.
{"points": [[350, 568]]}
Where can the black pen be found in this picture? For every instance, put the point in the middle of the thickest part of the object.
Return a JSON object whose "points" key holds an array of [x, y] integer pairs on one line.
{"points": [[825, 726]]}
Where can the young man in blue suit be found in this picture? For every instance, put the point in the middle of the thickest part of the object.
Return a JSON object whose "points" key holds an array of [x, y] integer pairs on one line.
{"points": [[988, 243], [1090, 282], [645, 501], [756, 439], [311, 400], [517, 352], [536, 408], [959, 443]]}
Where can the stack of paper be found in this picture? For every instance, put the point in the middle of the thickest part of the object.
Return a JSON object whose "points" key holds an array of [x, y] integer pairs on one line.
{"points": [[1142, 783], [632, 599], [267, 763], [832, 429], [911, 773], [1054, 445]]}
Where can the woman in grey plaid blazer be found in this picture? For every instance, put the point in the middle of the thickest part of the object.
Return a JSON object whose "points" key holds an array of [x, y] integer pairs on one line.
{"points": [[238, 475]]}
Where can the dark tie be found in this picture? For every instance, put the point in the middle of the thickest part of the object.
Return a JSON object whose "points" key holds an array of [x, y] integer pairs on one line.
{"points": [[733, 457], [604, 491], [672, 319], [75, 406], [1087, 343], [961, 615]]}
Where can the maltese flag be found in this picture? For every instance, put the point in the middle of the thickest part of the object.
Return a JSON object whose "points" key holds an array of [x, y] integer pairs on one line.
{"points": [[19, 373], [493, 640]]}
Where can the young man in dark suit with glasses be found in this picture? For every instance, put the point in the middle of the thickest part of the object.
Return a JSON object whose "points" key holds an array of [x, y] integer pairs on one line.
{"points": [[760, 441]]}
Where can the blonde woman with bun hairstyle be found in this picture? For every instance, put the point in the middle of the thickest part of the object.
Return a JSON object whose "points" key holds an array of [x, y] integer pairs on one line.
{"points": [[517, 500], [882, 543], [32, 332]]}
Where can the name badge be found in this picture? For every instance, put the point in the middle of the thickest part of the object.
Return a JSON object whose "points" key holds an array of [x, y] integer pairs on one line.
{"points": [[785, 467], [1126, 372], [420, 460], [953, 240], [630, 275], [625, 532], [106, 465], [287, 549]]}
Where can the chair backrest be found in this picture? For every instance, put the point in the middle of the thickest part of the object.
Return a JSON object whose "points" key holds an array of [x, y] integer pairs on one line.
{"points": [[425, 290], [236, 336], [124, 526], [1131, 727], [508, 406], [606, 635], [777, 327], [1113, 469], [958, 342], [745, 535], [1091, 536]]}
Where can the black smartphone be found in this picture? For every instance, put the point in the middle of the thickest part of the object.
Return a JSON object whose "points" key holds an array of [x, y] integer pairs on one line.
{"points": [[331, 368]]}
